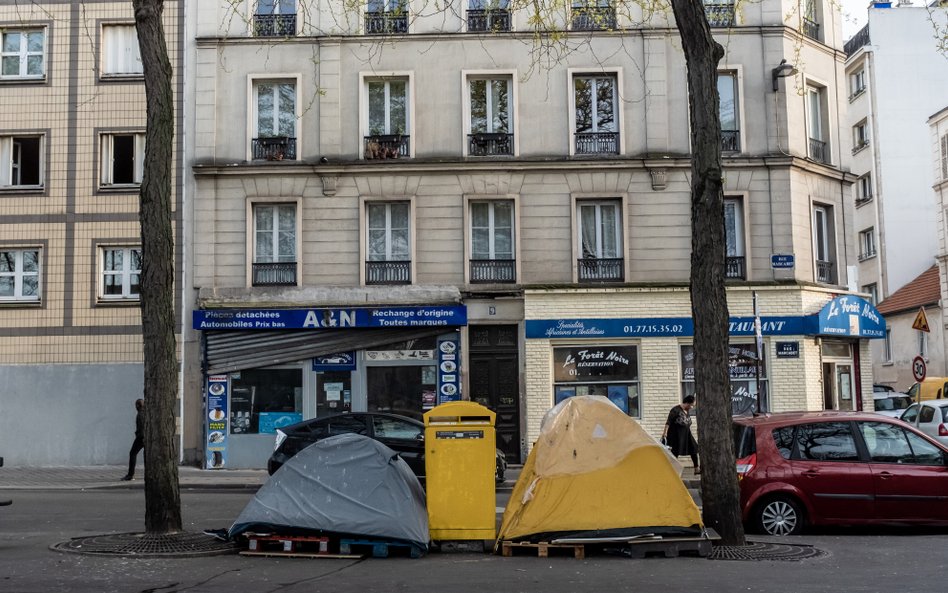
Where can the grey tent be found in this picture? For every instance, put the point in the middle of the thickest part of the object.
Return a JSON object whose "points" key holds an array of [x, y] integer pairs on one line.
{"points": [[347, 484]]}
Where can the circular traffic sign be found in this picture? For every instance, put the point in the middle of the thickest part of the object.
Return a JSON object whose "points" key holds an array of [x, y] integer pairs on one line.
{"points": [[918, 368]]}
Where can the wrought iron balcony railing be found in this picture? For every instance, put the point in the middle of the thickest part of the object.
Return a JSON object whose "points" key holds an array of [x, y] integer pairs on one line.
{"points": [[490, 144], [730, 140], [863, 200], [593, 18], [601, 270], [734, 267], [597, 143], [719, 14], [387, 146], [388, 272], [860, 145], [386, 23], [811, 28], [488, 271], [274, 25], [818, 150], [274, 274], [497, 19], [279, 148], [868, 254], [824, 271]]}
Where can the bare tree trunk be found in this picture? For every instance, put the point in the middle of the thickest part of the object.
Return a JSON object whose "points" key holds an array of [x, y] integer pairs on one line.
{"points": [[162, 497], [719, 489]]}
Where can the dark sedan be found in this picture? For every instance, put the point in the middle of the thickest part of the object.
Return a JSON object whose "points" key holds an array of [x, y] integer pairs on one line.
{"points": [[405, 436]]}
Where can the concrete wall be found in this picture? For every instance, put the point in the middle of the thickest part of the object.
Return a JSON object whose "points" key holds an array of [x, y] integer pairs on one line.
{"points": [[65, 415], [897, 372]]}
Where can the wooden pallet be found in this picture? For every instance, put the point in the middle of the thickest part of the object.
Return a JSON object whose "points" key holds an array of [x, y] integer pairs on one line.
{"points": [[543, 548], [632, 547], [291, 546], [379, 548]]}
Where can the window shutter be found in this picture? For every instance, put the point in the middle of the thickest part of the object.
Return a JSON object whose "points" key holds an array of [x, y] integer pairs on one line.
{"points": [[6, 160]]}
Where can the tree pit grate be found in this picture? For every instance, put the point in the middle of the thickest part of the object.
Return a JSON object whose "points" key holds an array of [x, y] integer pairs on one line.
{"points": [[767, 551], [144, 545]]}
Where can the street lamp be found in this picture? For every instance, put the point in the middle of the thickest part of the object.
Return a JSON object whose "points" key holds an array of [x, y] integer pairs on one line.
{"points": [[782, 71]]}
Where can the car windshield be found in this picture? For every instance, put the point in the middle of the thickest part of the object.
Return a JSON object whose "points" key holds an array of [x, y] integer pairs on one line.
{"points": [[745, 441], [890, 404]]}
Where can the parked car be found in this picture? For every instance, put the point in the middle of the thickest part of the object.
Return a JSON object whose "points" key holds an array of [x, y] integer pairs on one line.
{"points": [[404, 435], [891, 403], [929, 389], [930, 417], [821, 468], [879, 387]]}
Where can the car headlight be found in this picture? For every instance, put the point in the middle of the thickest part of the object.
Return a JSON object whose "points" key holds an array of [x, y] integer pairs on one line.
{"points": [[280, 437]]}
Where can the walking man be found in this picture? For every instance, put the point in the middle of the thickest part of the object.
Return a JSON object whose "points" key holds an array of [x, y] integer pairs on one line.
{"points": [[138, 444]]}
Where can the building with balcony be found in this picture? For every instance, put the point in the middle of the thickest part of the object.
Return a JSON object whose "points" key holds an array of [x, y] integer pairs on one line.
{"points": [[72, 123], [457, 221], [888, 137]]}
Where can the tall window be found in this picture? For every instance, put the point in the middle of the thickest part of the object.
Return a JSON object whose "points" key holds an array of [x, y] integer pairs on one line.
{"points": [[21, 161], [595, 104], [123, 158], [734, 239], [20, 275], [867, 244], [815, 124], [388, 125], [873, 291], [944, 157], [275, 18], [121, 55], [821, 244], [121, 272], [600, 241], [730, 124], [857, 83], [388, 243], [887, 346], [811, 19], [860, 136], [490, 117], [274, 254], [864, 189], [492, 241], [275, 121], [23, 54]]}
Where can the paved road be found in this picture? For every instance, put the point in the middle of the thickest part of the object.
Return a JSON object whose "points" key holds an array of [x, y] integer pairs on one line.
{"points": [[867, 561]]}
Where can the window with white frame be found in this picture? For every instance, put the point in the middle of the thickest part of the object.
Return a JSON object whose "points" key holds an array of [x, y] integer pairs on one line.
{"points": [[729, 113], [860, 135], [121, 273], [20, 274], [387, 119], [123, 156], [735, 267], [492, 241], [811, 19], [275, 120], [121, 55], [21, 161], [600, 241], [491, 122], [818, 149], [864, 188], [595, 105], [388, 243], [873, 291], [857, 83], [822, 244], [274, 252], [867, 244], [887, 346], [944, 157], [23, 54]]}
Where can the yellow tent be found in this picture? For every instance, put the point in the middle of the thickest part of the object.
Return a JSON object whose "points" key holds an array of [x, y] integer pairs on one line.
{"points": [[594, 472]]}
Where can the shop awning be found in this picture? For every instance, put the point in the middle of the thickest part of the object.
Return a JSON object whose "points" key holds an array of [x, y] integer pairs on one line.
{"points": [[229, 351]]}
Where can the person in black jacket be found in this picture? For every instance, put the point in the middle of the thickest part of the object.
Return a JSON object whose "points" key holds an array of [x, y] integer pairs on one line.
{"points": [[677, 433], [138, 444]]}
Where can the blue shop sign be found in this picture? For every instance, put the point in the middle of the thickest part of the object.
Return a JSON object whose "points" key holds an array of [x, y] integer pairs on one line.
{"points": [[340, 361], [329, 318], [850, 317], [654, 327]]}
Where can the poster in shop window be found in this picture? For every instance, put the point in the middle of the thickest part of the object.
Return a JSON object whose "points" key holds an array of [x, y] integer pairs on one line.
{"points": [[216, 423], [742, 368], [595, 364]]}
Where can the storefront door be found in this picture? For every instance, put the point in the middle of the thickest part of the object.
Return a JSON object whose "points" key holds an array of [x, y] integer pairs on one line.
{"points": [[495, 381], [840, 390]]}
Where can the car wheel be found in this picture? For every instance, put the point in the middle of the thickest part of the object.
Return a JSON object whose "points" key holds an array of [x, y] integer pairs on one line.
{"points": [[780, 516]]}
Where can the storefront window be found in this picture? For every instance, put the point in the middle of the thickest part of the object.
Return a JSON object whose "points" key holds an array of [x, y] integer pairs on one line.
{"points": [[609, 371], [743, 372], [262, 400], [400, 389]]}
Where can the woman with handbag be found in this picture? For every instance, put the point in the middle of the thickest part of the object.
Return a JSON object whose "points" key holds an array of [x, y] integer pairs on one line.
{"points": [[677, 434]]}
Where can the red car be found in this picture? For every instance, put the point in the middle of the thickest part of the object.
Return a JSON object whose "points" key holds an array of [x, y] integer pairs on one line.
{"points": [[822, 468]]}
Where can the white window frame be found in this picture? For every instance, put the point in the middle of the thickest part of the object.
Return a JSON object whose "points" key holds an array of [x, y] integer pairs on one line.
{"points": [[864, 188], [471, 199], [23, 53], [18, 274], [364, 203], [944, 157], [887, 346], [251, 232], [821, 212], [873, 291], [867, 244], [620, 202], [364, 79], [130, 52], [596, 72], [736, 72], [512, 90], [107, 156], [860, 135], [857, 83], [815, 123], [276, 208], [741, 243], [9, 162], [125, 273], [253, 80], [492, 228], [387, 204]]}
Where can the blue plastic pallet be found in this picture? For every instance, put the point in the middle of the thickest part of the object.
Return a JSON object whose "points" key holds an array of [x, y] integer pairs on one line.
{"points": [[380, 548]]}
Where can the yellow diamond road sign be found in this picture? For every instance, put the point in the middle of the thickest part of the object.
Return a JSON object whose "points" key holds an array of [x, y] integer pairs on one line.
{"points": [[921, 321]]}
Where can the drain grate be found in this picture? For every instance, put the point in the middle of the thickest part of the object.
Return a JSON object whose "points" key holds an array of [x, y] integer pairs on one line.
{"points": [[176, 545], [766, 551]]}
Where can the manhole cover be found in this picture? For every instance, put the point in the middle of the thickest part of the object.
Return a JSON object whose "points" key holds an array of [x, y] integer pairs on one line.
{"points": [[177, 545], [766, 551]]}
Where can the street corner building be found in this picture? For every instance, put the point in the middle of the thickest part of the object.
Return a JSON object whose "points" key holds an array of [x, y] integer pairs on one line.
{"points": [[393, 208], [72, 140]]}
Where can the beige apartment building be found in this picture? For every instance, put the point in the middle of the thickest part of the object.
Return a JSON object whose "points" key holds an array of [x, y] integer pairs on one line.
{"points": [[394, 208], [72, 122]]}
